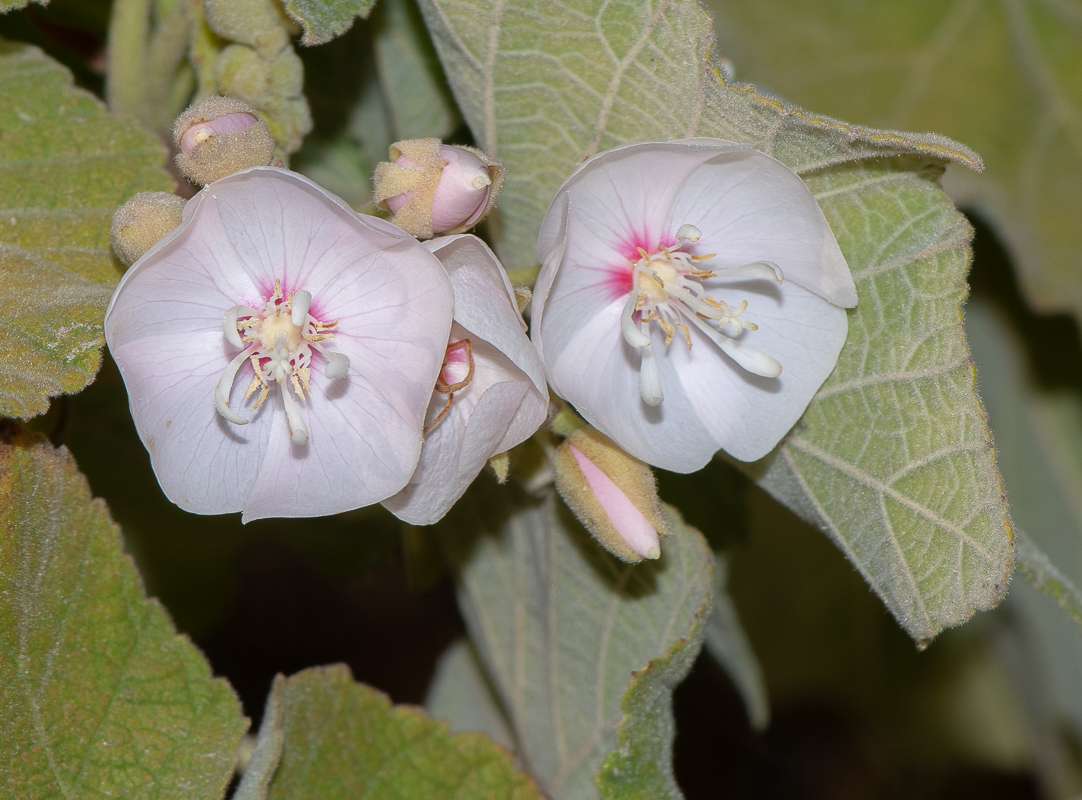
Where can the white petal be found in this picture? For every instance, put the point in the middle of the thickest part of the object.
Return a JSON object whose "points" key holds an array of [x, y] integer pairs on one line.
{"points": [[598, 372], [747, 415], [204, 464], [751, 207], [622, 196], [507, 400], [485, 301]]}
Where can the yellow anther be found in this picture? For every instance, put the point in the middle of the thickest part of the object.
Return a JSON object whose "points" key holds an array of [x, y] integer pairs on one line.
{"points": [[687, 334]]}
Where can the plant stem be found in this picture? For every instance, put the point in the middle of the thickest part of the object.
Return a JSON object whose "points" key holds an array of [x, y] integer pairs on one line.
{"points": [[168, 47], [128, 30]]}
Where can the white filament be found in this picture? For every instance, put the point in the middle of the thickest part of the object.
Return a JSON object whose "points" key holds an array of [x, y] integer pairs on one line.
{"points": [[225, 385]]}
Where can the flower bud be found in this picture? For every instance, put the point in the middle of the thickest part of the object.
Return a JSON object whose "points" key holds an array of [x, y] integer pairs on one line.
{"points": [[141, 222], [219, 136], [436, 188], [613, 495]]}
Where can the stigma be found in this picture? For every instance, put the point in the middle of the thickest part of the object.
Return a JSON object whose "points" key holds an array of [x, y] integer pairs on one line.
{"points": [[667, 290], [278, 341]]}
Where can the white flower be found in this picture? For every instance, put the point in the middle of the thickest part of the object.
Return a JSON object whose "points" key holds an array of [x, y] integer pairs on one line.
{"points": [[491, 394], [691, 298], [279, 350]]}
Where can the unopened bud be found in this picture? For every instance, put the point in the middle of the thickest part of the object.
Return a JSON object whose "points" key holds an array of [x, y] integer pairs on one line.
{"points": [[141, 223], [219, 136], [613, 495], [436, 188]]}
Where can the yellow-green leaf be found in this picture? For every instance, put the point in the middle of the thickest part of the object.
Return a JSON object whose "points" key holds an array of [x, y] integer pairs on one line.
{"points": [[65, 166], [344, 739], [99, 697]]}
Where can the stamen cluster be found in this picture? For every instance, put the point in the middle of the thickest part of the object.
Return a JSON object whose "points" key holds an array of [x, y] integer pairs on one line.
{"points": [[277, 340]]}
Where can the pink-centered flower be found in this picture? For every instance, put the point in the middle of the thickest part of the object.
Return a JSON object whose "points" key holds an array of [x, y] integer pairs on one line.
{"points": [[279, 350], [691, 298], [491, 392]]}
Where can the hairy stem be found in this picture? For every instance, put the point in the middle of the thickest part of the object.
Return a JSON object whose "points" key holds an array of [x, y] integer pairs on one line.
{"points": [[128, 30]]}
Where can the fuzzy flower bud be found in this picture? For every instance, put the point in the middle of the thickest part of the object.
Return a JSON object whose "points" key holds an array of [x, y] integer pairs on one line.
{"points": [[141, 223], [613, 495], [219, 136], [436, 188]]}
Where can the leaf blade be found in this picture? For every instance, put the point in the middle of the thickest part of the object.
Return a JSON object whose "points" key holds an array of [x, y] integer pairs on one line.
{"points": [[561, 627], [645, 72], [64, 168], [344, 739], [99, 694], [323, 20]]}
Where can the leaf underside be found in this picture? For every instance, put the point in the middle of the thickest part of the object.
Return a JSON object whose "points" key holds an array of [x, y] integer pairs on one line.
{"points": [[65, 166], [584, 650], [323, 20], [894, 459], [99, 697]]}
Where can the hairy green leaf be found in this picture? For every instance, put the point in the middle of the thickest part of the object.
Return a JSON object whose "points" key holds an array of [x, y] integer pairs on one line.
{"points": [[895, 461], [461, 695], [325, 19], [584, 650], [344, 739], [65, 165], [11, 5], [1005, 78], [893, 458], [99, 697]]}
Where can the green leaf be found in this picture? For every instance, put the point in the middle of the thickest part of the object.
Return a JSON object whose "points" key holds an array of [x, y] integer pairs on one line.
{"points": [[893, 458], [461, 695], [11, 5], [409, 73], [1005, 78], [584, 650], [325, 19], [65, 165], [895, 461], [98, 695], [344, 739]]}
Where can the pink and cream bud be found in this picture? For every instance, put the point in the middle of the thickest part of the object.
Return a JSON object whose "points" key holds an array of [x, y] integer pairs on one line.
{"points": [[612, 494], [219, 136], [433, 188]]}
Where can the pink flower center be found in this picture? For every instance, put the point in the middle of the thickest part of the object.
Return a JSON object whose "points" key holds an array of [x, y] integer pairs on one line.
{"points": [[278, 340]]}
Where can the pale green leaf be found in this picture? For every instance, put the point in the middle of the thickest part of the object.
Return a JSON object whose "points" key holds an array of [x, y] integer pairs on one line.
{"points": [[895, 462], [65, 165], [727, 643], [325, 19], [1038, 429], [562, 627], [344, 739], [893, 458], [1006, 78], [99, 697], [416, 93], [461, 695]]}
